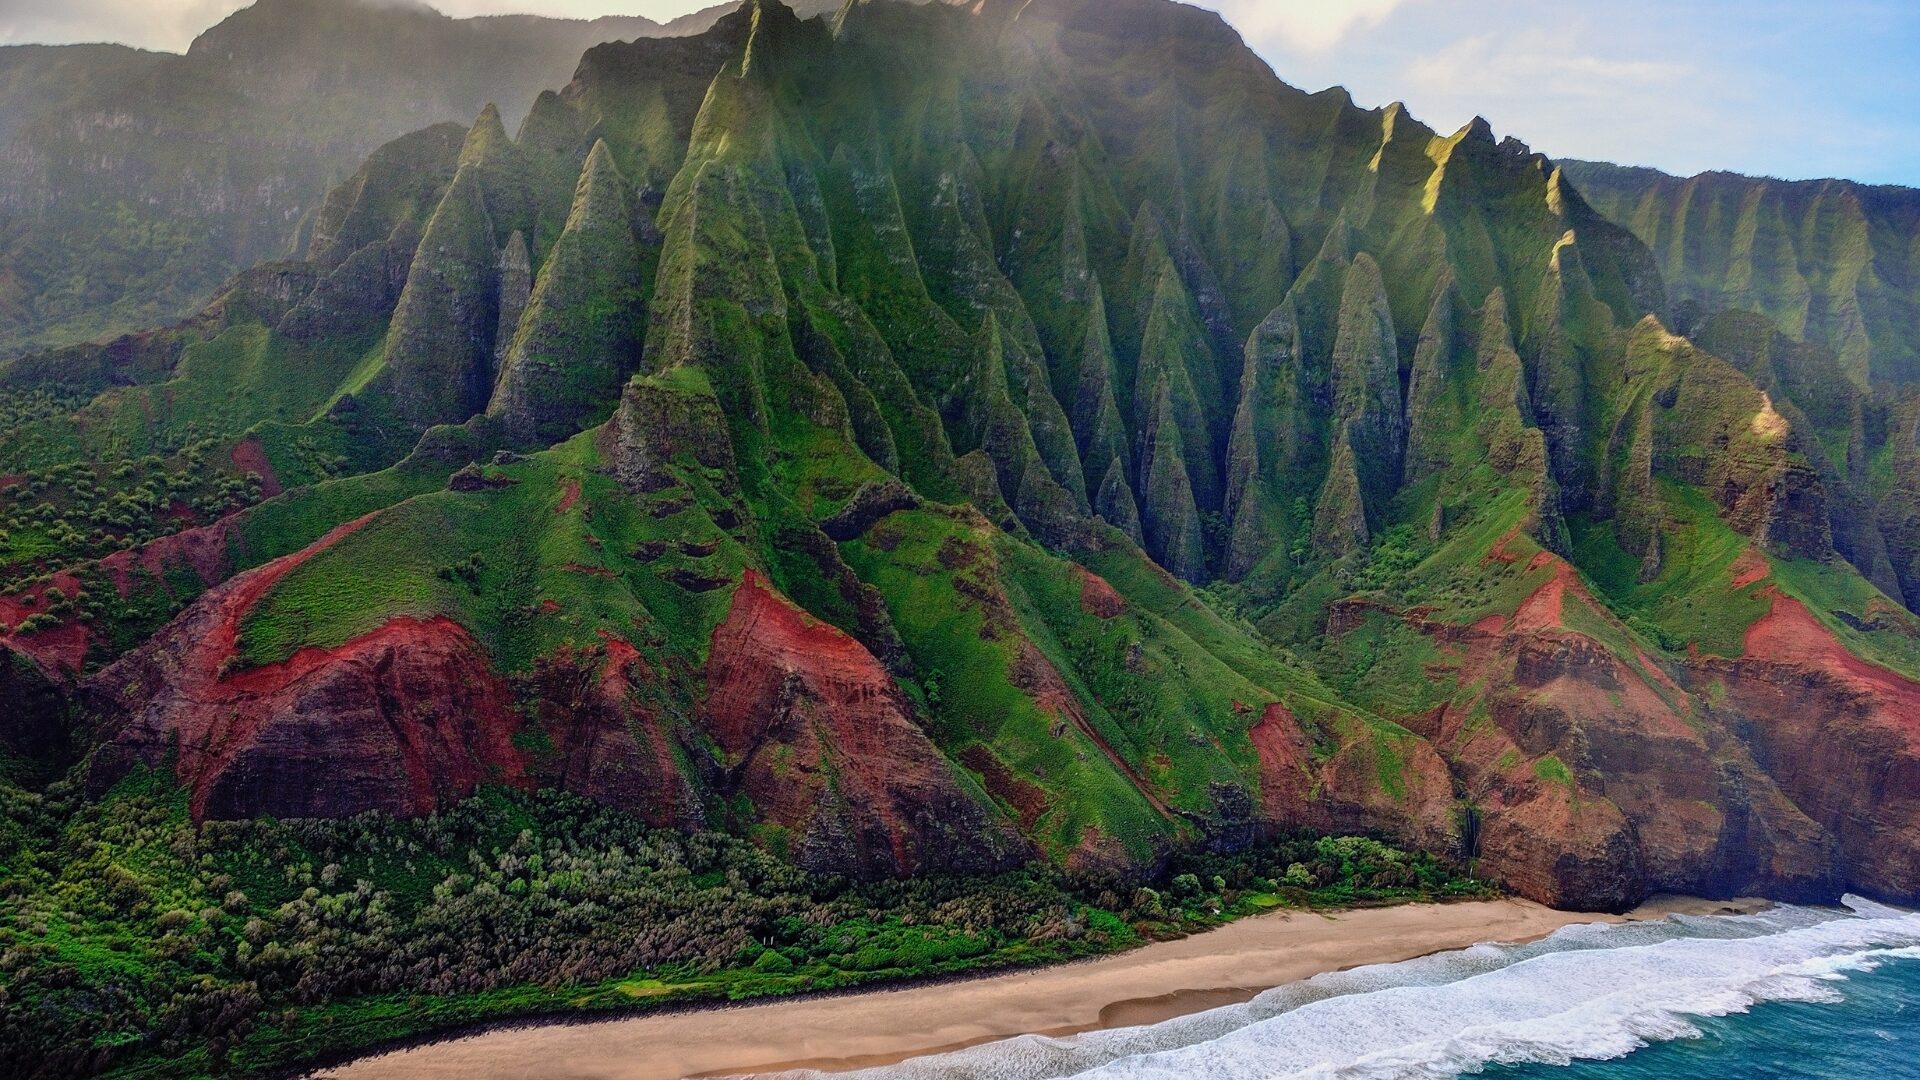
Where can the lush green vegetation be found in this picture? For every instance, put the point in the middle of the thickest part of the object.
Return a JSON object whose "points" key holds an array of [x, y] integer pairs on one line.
{"points": [[63, 514], [134, 944]]}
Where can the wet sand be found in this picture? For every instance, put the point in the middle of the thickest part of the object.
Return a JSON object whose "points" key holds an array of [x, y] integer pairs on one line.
{"points": [[1148, 985]]}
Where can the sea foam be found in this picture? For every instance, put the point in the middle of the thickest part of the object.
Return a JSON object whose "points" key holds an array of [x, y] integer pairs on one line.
{"points": [[1585, 992]]}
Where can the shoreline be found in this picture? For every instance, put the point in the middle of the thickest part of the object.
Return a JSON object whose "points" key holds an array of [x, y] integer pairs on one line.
{"points": [[885, 1025]]}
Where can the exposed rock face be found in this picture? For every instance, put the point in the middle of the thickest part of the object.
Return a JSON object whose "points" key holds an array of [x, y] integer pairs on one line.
{"points": [[1842, 738], [1343, 793], [658, 422], [1595, 781], [814, 732], [404, 719], [610, 741]]}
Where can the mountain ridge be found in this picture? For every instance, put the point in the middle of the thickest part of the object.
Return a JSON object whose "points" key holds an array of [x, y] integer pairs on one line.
{"points": [[130, 192], [1159, 455]]}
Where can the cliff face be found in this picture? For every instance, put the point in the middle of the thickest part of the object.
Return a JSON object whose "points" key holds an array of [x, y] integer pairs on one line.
{"points": [[952, 436]]}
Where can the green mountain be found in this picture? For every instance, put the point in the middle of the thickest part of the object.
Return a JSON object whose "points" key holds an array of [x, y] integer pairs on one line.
{"points": [[1808, 288], [133, 184], [940, 438], [1829, 262]]}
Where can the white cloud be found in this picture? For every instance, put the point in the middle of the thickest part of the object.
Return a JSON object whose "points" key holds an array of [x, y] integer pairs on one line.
{"points": [[1313, 25], [1561, 87]]}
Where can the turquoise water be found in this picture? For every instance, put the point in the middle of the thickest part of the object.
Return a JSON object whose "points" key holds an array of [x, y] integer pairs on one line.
{"points": [[1791, 992], [1873, 1035]]}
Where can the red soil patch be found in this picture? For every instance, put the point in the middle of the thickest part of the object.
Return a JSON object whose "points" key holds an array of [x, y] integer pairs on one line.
{"points": [[400, 720], [58, 648], [569, 495], [590, 571], [1749, 568], [1499, 553], [818, 727], [250, 457], [202, 550], [9, 481], [246, 591], [1286, 775], [1030, 801], [623, 662], [1790, 634], [1097, 598], [1544, 610], [405, 631], [64, 648]]}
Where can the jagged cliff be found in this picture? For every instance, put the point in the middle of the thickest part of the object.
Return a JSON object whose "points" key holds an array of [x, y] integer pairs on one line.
{"points": [[952, 436]]}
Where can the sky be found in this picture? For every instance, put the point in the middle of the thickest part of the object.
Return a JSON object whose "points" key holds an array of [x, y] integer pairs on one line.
{"points": [[1786, 88]]}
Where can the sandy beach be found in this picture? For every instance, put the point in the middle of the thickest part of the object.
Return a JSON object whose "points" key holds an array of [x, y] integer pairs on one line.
{"points": [[1147, 985]]}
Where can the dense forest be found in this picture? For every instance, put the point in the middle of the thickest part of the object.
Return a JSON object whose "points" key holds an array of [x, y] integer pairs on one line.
{"points": [[134, 944]]}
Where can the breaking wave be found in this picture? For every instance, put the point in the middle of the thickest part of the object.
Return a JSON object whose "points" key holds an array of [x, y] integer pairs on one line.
{"points": [[1588, 992]]}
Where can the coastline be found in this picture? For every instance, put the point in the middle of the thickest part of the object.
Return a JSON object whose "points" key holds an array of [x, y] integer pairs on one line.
{"points": [[882, 1026]]}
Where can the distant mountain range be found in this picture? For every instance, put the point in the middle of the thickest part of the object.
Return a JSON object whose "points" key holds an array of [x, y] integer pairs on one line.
{"points": [[133, 183]]}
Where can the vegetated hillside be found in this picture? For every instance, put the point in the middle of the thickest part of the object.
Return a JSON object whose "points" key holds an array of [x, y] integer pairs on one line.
{"points": [[938, 438], [133, 184], [1831, 262], [1812, 288]]}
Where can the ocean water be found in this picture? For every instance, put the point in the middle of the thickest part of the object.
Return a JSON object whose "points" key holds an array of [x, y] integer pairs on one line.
{"points": [[1792, 992]]}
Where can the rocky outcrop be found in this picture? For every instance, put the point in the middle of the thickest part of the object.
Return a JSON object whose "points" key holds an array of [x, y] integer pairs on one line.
{"points": [[664, 420], [1005, 432], [1170, 515], [812, 730], [1344, 791], [516, 291], [1366, 383], [1340, 517], [598, 707], [1592, 778], [1098, 425], [1840, 735], [404, 719], [872, 503]]}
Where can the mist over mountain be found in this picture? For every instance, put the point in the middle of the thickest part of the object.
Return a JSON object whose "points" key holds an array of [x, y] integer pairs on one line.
{"points": [[133, 184]]}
